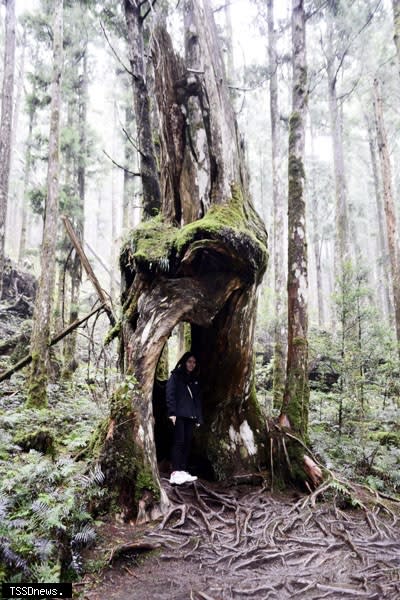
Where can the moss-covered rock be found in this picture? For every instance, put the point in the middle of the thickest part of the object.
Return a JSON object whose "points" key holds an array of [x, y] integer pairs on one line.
{"points": [[42, 440], [387, 438]]}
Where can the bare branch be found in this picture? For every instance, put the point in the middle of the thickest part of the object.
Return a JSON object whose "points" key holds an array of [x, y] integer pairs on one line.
{"points": [[342, 97], [114, 52], [121, 167], [367, 22], [28, 359], [150, 9], [134, 144], [250, 89], [314, 12], [215, 10]]}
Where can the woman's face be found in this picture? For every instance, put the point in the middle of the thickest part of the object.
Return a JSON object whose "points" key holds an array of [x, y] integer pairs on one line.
{"points": [[190, 364]]}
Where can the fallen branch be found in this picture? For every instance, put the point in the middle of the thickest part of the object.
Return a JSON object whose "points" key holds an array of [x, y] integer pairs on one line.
{"points": [[28, 359], [88, 268]]}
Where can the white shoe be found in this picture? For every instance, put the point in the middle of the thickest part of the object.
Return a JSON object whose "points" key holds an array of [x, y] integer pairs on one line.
{"points": [[189, 477], [178, 477]]}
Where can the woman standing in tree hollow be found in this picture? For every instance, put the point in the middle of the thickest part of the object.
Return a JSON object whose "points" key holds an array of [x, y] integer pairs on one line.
{"points": [[184, 410]]}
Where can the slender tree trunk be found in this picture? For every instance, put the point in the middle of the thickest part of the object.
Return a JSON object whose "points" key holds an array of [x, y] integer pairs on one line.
{"points": [[129, 179], [75, 268], [6, 126], [13, 219], [230, 63], [388, 199], [296, 397], [396, 18], [113, 220], [382, 251], [25, 221], [342, 239], [278, 217], [148, 166], [317, 239], [18, 96], [37, 395]]}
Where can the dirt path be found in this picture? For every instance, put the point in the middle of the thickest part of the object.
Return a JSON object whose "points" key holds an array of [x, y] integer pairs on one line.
{"points": [[238, 544]]}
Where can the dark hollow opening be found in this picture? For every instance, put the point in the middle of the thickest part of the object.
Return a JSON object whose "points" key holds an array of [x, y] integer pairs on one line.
{"points": [[199, 464]]}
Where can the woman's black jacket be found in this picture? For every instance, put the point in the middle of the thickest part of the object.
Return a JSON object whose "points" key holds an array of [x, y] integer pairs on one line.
{"points": [[180, 401]]}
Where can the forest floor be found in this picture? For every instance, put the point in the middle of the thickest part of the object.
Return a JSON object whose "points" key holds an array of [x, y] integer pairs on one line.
{"points": [[220, 543]]}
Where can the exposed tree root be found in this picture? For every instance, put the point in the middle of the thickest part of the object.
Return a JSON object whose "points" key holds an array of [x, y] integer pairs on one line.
{"points": [[357, 494], [251, 545]]}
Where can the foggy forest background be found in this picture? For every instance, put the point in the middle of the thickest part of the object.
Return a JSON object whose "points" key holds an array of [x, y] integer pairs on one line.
{"points": [[352, 179]]}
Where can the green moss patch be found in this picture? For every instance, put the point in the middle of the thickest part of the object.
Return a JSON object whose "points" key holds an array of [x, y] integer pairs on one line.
{"points": [[42, 440], [387, 438], [232, 229]]}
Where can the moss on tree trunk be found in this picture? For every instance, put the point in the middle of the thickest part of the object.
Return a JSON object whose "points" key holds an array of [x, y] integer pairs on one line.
{"points": [[199, 262]]}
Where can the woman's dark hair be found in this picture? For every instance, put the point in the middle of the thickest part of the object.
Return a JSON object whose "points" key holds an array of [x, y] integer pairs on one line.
{"points": [[180, 365]]}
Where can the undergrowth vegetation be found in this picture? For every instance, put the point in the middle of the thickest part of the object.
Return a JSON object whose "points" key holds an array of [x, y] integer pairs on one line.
{"points": [[49, 491], [366, 448]]}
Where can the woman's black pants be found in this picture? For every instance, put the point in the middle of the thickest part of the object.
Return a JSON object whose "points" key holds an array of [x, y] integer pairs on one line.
{"points": [[183, 433]]}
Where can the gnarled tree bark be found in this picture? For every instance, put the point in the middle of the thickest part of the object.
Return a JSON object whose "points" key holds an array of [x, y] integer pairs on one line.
{"points": [[200, 262]]}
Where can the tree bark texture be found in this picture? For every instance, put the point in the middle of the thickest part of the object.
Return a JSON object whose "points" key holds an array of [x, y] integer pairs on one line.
{"points": [[388, 200], [148, 166], [6, 126], [37, 394], [278, 217], [296, 397], [198, 263]]}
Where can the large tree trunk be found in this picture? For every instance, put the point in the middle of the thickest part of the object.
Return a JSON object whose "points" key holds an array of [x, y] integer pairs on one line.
{"points": [[6, 126], [296, 398], [37, 394], [278, 217], [150, 184], [200, 264], [388, 199]]}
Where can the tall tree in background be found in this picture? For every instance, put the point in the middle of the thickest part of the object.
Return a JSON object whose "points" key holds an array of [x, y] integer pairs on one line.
{"points": [[37, 392], [383, 291], [76, 61], [389, 204], [6, 126], [33, 101], [333, 66], [296, 398], [317, 232], [135, 14], [396, 17], [278, 215]]}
